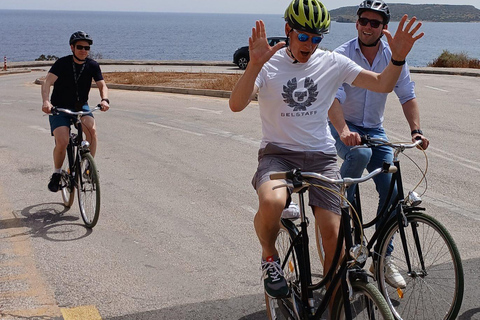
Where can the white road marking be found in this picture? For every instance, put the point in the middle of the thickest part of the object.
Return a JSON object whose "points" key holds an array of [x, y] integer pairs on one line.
{"points": [[438, 89], [249, 209], [444, 154], [173, 128], [42, 129], [207, 110]]}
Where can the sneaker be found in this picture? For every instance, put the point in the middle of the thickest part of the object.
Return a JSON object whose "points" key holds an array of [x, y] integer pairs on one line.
{"points": [[273, 279], [292, 212], [54, 184], [392, 276]]}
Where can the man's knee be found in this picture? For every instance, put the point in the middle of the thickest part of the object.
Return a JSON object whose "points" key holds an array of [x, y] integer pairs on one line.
{"points": [[359, 156]]}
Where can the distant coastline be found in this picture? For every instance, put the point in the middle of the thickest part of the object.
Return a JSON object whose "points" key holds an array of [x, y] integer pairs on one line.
{"points": [[423, 12]]}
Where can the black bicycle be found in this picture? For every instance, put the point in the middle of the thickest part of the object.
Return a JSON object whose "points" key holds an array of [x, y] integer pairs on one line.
{"points": [[346, 282], [424, 252], [80, 172]]}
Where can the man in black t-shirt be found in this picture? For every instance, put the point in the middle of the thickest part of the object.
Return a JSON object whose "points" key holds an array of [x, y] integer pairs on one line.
{"points": [[71, 77]]}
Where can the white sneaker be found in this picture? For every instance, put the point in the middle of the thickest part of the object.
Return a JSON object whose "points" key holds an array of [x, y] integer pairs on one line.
{"points": [[392, 276], [292, 212]]}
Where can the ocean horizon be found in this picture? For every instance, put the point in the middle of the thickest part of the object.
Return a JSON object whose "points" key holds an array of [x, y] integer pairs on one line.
{"points": [[27, 34]]}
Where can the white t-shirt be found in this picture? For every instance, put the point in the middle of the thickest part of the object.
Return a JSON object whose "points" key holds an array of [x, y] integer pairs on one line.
{"points": [[294, 99]]}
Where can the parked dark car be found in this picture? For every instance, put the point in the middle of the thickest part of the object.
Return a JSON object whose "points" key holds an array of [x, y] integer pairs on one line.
{"points": [[241, 56]]}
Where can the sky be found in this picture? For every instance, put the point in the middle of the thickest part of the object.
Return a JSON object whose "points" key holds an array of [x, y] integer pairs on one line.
{"points": [[197, 6]]}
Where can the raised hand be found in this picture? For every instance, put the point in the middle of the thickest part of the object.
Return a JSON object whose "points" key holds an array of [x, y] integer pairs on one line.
{"points": [[404, 38], [260, 50]]}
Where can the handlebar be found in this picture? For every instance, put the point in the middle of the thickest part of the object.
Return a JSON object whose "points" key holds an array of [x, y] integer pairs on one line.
{"points": [[298, 178], [56, 110], [367, 142]]}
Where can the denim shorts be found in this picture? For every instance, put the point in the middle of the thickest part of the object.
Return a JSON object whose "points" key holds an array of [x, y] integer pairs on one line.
{"points": [[65, 120], [273, 158]]}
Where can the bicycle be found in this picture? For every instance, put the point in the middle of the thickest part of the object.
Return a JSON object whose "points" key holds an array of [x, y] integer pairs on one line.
{"points": [[79, 171], [346, 277], [424, 251]]}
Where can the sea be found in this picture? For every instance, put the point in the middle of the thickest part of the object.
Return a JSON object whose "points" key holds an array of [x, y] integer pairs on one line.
{"points": [[27, 34]]}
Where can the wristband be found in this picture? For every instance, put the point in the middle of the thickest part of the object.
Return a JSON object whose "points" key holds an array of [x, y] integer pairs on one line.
{"points": [[417, 131], [398, 63], [106, 99]]}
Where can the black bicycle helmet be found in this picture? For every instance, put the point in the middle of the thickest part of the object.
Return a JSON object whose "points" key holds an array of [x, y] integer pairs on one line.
{"points": [[80, 35], [308, 15], [377, 6]]}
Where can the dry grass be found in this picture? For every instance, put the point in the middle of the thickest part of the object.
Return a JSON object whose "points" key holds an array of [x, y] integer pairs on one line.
{"points": [[199, 80]]}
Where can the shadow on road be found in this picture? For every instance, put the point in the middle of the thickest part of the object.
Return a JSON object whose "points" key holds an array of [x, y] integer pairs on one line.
{"points": [[239, 308], [46, 220]]}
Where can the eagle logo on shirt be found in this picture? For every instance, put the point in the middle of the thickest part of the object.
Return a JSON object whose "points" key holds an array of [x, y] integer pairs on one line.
{"points": [[300, 98]]}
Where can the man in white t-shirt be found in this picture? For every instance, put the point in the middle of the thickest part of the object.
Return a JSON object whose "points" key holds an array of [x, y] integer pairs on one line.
{"points": [[296, 86]]}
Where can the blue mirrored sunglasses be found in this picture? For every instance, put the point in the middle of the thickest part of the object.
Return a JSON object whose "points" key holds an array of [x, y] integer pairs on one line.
{"points": [[304, 37]]}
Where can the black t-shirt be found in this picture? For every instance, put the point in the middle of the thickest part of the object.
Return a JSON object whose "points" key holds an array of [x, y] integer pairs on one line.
{"points": [[64, 93]]}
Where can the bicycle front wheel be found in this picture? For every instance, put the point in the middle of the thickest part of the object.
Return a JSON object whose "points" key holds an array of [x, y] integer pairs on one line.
{"points": [[88, 190], [435, 283], [284, 308], [367, 303], [67, 185]]}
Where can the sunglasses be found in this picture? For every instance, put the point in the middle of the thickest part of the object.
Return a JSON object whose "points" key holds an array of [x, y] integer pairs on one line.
{"points": [[304, 37], [80, 47], [373, 23]]}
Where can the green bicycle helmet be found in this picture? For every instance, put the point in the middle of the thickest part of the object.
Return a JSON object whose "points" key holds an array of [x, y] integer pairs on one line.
{"points": [[308, 15]]}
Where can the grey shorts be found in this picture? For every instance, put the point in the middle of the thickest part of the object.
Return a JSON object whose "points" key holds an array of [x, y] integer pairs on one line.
{"points": [[273, 158]]}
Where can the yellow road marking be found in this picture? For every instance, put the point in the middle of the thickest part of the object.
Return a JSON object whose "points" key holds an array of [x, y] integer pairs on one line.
{"points": [[81, 313]]}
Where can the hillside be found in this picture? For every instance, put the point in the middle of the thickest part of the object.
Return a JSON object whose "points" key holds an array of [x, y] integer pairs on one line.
{"points": [[424, 12]]}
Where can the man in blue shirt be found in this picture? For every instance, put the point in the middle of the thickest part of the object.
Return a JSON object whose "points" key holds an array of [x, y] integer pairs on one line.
{"points": [[363, 110]]}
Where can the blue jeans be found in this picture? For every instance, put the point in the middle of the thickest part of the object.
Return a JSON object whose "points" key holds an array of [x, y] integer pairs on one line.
{"points": [[355, 161]]}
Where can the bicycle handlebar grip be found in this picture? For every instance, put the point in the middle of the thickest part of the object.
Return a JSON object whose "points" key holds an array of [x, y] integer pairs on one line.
{"points": [[387, 168], [278, 175], [54, 111], [364, 139]]}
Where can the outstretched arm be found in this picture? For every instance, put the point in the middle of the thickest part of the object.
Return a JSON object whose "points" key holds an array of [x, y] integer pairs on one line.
{"points": [[47, 83], [260, 52], [412, 114], [400, 44]]}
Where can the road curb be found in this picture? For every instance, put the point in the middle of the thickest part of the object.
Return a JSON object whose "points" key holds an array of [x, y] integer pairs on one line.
{"points": [[191, 91]]}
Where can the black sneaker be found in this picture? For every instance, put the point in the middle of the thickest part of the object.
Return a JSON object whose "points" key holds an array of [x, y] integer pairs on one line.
{"points": [[54, 184], [273, 278]]}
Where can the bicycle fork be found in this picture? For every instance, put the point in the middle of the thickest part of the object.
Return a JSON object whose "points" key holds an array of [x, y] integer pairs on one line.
{"points": [[402, 225]]}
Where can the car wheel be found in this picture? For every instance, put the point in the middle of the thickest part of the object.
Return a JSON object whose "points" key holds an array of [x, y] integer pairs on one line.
{"points": [[242, 63]]}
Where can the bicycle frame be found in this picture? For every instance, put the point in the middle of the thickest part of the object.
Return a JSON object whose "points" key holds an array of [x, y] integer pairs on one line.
{"points": [[300, 246], [398, 210]]}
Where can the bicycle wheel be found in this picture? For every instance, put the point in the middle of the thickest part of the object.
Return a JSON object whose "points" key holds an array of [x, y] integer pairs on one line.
{"points": [[432, 292], [284, 308], [367, 303], [88, 190], [67, 185]]}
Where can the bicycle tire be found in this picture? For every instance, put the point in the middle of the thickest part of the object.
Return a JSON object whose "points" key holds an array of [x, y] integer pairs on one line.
{"points": [[367, 303], [67, 185], [435, 294], [281, 309], [88, 190]]}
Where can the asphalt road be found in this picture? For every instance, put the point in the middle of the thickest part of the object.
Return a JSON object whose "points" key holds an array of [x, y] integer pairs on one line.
{"points": [[175, 238]]}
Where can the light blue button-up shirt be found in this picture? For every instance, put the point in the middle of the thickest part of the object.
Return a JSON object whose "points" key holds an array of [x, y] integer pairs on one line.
{"points": [[366, 108]]}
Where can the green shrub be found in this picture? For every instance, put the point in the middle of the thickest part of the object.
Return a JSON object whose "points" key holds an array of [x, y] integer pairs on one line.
{"points": [[46, 58], [455, 60]]}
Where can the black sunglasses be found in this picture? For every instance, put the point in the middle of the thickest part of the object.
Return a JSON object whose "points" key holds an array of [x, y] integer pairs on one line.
{"points": [[80, 47], [373, 23]]}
